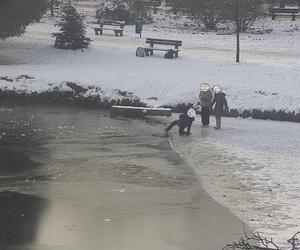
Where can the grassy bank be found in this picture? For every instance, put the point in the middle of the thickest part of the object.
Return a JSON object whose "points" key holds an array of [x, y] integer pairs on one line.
{"points": [[76, 97]]}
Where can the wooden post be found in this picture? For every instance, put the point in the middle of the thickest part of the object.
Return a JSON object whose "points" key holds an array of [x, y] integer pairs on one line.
{"points": [[273, 15], [142, 20], [151, 51], [237, 24]]}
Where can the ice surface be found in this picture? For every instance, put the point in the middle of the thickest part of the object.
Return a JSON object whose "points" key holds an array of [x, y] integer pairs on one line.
{"points": [[252, 167]]}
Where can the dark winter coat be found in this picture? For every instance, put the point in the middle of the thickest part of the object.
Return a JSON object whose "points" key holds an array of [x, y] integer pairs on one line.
{"points": [[206, 98], [185, 121], [220, 104]]}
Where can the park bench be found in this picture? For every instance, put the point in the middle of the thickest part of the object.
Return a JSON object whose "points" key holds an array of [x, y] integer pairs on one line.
{"points": [[153, 41], [116, 26], [293, 11]]}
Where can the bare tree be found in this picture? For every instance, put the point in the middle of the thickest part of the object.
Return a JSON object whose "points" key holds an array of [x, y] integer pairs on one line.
{"points": [[257, 242], [208, 11], [248, 12], [295, 242]]}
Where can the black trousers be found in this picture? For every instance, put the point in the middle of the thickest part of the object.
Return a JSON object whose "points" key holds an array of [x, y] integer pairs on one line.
{"points": [[181, 128], [205, 116]]}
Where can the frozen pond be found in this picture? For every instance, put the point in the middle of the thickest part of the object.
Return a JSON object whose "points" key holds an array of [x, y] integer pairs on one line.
{"points": [[77, 179]]}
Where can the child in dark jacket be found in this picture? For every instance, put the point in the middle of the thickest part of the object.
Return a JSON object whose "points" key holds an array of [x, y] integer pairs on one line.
{"points": [[221, 106], [184, 122]]}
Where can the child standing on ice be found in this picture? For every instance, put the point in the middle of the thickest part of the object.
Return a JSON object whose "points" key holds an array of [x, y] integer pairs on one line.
{"points": [[206, 97], [184, 122], [220, 104]]}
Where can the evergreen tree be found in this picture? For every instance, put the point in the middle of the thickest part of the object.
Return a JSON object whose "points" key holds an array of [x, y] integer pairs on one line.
{"points": [[72, 33], [138, 10], [16, 15]]}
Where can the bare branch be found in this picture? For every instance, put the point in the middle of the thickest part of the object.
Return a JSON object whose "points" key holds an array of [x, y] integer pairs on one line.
{"points": [[253, 242], [295, 242]]}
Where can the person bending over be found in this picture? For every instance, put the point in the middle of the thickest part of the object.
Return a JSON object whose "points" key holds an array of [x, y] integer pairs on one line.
{"points": [[184, 122]]}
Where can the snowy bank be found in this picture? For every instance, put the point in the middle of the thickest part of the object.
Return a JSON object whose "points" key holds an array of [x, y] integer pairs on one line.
{"points": [[21, 91], [264, 80]]}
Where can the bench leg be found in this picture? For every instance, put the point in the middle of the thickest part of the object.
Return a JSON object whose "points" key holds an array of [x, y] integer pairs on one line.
{"points": [[121, 33], [151, 52], [101, 32], [96, 32], [273, 16], [293, 17], [176, 54]]}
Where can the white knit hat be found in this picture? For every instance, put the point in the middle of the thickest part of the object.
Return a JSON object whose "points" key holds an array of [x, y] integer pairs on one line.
{"points": [[204, 86], [191, 113], [217, 89]]}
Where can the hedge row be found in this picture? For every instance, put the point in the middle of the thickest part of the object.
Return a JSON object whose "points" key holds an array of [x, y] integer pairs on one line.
{"points": [[65, 97], [274, 115]]}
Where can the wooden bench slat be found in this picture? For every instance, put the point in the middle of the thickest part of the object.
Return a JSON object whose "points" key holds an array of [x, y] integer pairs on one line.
{"points": [[280, 10], [111, 21], [162, 40], [161, 49], [171, 44], [107, 28]]}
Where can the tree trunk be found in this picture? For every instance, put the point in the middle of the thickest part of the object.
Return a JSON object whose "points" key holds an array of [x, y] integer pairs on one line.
{"points": [[282, 3], [52, 8], [237, 45]]}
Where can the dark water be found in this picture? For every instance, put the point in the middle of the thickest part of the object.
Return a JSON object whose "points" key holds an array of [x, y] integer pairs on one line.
{"points": [[76, 179]]}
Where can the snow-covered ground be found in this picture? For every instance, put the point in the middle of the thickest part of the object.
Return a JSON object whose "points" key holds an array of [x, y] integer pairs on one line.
{"points": [[256, 175], [267, 78]]}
